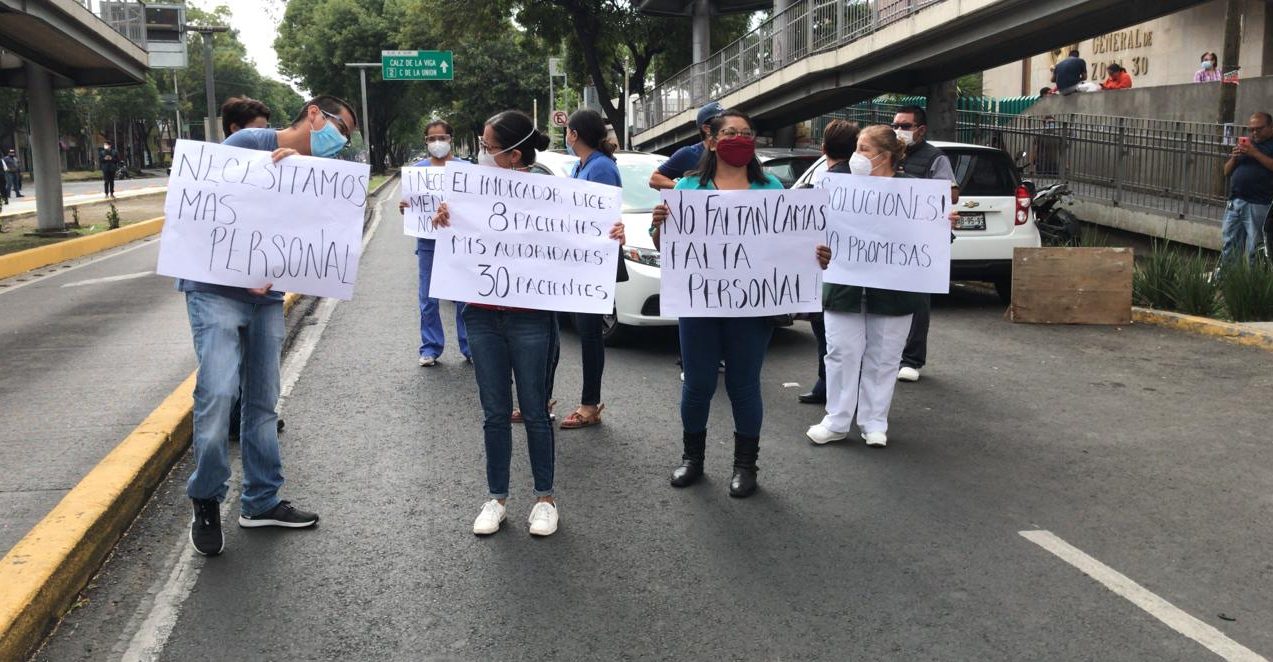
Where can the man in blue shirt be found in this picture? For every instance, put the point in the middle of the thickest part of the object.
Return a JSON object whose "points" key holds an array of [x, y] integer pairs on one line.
{"points": [[686, 158], [238, 338], [1068, 73], [1250, 173]]}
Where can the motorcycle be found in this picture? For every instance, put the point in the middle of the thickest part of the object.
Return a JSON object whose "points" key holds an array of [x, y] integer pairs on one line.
{"points": [[1057, 225]]}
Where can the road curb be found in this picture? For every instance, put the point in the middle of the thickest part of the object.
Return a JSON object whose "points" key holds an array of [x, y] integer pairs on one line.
{"points": [[21, 262], [1228, 331], [43, 574]]}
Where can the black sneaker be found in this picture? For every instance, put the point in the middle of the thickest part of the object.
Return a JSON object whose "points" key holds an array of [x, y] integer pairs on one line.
{"points": [[205, 527], [284, 514]]}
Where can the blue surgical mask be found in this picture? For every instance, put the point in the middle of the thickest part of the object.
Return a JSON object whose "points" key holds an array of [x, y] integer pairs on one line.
{"points": [[327, 141], [1208, 64]]}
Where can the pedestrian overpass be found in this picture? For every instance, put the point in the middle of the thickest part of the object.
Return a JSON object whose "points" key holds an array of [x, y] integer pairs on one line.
{"points": [[822, 55]]}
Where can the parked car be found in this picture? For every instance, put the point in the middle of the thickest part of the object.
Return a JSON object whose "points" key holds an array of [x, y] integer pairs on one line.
{"points": [[994, 214], [787, 164], [636, 299]]}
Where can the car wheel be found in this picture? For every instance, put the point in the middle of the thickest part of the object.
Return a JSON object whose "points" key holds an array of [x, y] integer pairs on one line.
{"points": [[612, 333], [1003, 287]]}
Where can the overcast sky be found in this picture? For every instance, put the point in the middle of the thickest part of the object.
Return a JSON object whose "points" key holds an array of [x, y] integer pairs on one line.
{"points": [[256, 22]]}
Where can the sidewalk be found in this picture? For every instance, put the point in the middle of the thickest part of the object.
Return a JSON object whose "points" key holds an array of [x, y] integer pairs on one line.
{"points": [[26, 205]]}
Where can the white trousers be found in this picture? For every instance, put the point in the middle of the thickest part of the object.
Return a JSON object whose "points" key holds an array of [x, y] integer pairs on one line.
{"points": [[864, 353]]}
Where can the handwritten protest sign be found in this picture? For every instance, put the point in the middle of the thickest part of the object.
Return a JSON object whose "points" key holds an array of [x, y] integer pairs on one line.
{"points": [[234, 217], [421, 190], [527, 241], [888, 232], [741, 253]]}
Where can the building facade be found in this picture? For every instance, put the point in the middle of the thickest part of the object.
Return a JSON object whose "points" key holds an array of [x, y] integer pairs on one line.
{"points": [[1165, 51]]}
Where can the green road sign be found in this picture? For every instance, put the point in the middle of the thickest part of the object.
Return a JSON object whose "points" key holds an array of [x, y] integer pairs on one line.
{"points": [[417, 65]]}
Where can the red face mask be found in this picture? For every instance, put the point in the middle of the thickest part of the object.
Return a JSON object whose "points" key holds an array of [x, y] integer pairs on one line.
{"points": [[737, 151]]}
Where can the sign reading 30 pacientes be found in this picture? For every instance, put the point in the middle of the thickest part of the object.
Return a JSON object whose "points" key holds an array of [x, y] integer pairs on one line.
{"points": [[417, 65]]}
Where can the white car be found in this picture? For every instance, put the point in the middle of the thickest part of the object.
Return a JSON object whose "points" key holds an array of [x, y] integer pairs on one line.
{"points": [[994, 214], [637, 299]]}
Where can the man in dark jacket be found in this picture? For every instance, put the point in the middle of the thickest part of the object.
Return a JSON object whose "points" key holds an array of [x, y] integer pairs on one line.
{"points": [[108, 156], [13, 173]]}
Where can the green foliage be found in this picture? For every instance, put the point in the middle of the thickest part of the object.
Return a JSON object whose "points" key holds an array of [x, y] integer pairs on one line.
{"points": [[112, 217], [1248, 290], [1171, 279]]}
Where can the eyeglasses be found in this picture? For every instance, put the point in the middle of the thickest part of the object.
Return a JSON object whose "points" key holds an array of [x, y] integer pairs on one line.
{"points": [[734, 133], [1257, 129], [438, 139], [489, 148], [340, 125], [904, 126]]}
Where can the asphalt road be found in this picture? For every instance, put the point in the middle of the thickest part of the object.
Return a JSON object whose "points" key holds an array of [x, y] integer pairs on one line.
{"points": [[88, 348], [1144, 448]]}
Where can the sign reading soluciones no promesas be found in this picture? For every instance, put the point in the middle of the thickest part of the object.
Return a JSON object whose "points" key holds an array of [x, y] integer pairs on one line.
{"points": [[417, 65]]}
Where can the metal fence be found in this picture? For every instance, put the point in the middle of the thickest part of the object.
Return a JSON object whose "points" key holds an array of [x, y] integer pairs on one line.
{"points": [[1176, 168], [127, 17], [805, 28]]}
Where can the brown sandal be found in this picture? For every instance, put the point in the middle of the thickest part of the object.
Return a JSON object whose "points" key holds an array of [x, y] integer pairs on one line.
{"points": [[518, 418], [578, 419]]}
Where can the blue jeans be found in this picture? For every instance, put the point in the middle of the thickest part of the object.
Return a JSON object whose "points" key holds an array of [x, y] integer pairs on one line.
{"points": [[518, 345], [741, 342], [230, 336], [432, 338], [1242, 229], [593, 352]]}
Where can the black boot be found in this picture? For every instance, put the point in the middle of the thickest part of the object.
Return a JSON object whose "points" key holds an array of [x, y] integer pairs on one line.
{"points": [[746, 450], [691, 468]]}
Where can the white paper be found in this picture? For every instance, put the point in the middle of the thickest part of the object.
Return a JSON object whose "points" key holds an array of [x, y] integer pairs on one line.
{"points": [[742, 253], [233, 217], [890, 233], [527, 241], [422, 191]]}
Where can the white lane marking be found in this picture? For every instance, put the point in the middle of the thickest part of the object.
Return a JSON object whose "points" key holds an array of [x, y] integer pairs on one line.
{"points": [[42, 277], [1173, 616], [157, 619], [109, 279]]}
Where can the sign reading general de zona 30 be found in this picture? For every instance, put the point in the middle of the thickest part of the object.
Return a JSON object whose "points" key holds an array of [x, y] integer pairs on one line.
{"points": [[417, 65]]}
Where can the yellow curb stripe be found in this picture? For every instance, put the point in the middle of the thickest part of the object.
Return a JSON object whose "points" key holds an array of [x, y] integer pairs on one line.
{"points": [[35, 258], [1234, 333], [43, 574]]}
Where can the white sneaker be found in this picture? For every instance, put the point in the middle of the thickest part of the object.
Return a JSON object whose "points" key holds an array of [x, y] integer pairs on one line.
{"points": [[543, 519], [428, 361], [489, 519], [908, 374], [875, 439], [821, 434]]}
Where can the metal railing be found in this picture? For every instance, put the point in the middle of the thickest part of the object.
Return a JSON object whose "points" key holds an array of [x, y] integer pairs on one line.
{"points": [[127, 17], [1166, 167], [805, 28]]}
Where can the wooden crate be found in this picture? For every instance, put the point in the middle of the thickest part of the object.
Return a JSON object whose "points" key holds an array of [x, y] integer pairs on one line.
{"points": [[1072, 285]]}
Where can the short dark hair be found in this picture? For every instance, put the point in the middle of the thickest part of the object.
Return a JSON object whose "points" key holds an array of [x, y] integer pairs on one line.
{"points": [[921, 116], [1213, 56], [1045, 91], [1114, 66], [241, 111], [442, 123], [516, 130], [328, 104], [706, 170], [1074, 53], [591, 127], [1268, 119], [840, 139]]}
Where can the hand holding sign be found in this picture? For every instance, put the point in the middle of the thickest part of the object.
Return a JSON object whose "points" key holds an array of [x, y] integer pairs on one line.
{"points": [[421, 198]]}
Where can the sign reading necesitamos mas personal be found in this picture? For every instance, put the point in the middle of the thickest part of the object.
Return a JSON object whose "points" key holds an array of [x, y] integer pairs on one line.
{"points": [[741, 253], [234, 217], [422, 191], [889, 233], [525, 240]]}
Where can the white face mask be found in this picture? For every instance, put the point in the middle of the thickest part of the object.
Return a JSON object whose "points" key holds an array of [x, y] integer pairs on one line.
{"points": [[907, 137], [439, 148], [485, 158], [860, 164]]}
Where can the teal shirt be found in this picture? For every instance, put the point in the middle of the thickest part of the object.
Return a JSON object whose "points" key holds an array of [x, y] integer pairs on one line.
{"points": [[693, 183]]}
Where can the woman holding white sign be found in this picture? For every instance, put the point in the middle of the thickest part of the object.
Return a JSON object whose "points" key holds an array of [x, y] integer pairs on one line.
{"points": [[866, 328], [514, 344], [729, 164]]}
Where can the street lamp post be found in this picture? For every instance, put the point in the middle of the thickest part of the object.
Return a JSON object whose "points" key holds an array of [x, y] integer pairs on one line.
{"points": [[209, 85], [362, 68]]}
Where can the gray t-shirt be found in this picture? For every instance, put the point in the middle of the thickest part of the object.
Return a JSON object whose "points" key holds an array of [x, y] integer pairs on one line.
{"points": [[260, 139], [941, 169]]}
